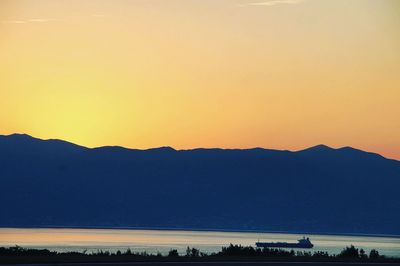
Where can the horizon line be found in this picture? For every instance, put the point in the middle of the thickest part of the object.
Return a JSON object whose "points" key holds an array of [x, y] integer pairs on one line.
{"points": [[317, 146]]}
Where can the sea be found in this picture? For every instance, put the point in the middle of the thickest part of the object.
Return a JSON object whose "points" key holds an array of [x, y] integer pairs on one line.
{"points": [[161, 241]]}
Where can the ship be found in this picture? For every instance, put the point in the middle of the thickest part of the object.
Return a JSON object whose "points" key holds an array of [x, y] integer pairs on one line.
{"points": [[301, 243]]}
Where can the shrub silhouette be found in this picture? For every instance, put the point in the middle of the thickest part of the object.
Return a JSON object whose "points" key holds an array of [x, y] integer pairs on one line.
{"points": [[173, 253], [374, 254], [192, 252], [349, 252]]}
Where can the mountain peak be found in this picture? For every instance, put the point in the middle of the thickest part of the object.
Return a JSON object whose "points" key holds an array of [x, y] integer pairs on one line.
{"points": [[24, 142], [348, 148], [19, 135], [164, 148], [320, 147]]}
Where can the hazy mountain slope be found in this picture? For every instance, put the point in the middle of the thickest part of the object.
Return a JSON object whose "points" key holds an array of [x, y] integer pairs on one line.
{"points": [[319, 189]]}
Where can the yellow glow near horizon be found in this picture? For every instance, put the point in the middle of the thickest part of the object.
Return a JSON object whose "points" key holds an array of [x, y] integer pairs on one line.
{"points": [[211, 73]]}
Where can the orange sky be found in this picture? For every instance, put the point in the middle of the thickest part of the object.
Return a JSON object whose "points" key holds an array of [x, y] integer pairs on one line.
{"points": [[282, 74]]}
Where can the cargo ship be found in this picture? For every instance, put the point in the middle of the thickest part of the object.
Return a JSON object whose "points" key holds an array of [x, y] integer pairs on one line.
{"points": [[301, 243]]}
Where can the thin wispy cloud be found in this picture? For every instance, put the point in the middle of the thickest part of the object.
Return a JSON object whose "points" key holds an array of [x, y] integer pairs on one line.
{"points": [[40, 20], [33, 20], [272, 3], [44, 20], [13, 21]]}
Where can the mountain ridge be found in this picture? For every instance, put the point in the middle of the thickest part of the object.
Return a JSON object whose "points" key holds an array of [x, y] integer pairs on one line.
{"points": [[318, 147], [320, 189]]}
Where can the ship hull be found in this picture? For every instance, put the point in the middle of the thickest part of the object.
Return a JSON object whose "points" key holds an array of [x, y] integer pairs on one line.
{"points": [[283, 245]]}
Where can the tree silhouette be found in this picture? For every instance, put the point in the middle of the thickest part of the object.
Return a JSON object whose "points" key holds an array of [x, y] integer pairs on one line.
{"points": [[374, 254], [173, 253], [349, 252]]}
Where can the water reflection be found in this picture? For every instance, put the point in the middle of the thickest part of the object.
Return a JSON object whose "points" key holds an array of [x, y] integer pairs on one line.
{"points": [[154, 241]]}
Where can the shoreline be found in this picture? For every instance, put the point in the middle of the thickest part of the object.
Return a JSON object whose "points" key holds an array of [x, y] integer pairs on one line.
{"points": [[232, 254], [201, 230]]}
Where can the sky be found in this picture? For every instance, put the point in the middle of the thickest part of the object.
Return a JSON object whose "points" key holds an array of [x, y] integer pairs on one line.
{"points": [[282, 74]]}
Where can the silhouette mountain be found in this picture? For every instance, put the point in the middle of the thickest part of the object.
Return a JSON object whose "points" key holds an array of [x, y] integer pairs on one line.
{"points": [[318, 148], [320, 189]]}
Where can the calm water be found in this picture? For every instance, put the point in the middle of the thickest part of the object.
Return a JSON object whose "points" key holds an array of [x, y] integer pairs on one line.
{"points": [[154, 241]]}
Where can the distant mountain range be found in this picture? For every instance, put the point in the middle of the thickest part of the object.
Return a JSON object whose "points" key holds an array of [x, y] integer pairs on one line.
{"points": [[320, 189]]}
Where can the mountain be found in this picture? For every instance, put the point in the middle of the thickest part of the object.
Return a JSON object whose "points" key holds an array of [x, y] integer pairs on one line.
{"points": [[320, 189]]}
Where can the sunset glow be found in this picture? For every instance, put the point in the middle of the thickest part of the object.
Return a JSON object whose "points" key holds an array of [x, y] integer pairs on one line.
{"points": [[203, 73]]}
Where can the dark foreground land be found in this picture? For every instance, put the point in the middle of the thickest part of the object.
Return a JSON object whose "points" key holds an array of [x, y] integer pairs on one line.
{"points": [[220, 263], [231, 255]]}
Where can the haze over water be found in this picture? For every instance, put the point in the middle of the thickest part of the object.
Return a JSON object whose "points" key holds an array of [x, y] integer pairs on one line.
{"points": [[153, 241]]}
